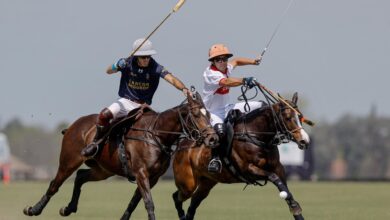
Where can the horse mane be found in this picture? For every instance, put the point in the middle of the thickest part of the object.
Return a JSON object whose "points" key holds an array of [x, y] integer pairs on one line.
{"points": [[254, 113]]}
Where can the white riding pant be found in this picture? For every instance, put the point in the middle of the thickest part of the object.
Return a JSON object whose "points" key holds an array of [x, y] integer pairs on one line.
{"points": [[122, 107], [219, 115]]}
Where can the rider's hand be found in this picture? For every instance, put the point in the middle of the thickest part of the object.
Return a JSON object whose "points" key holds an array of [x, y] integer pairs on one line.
{"points": [[257, 61], [121, 64], [185, 91], [249, 82]]}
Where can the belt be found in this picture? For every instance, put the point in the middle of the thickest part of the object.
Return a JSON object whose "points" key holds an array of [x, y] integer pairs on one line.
{"points": [[137, 101], [134, 100]]}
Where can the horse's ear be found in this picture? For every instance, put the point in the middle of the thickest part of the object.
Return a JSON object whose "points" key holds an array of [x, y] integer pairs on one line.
{"points": [[198, 97], [295, 98], [190, 97], [194, 93]]}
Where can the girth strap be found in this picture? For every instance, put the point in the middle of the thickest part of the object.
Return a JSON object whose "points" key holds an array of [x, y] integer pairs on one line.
{"points": [[230, 164], [165, 148], [251, 139], [124, 163]]}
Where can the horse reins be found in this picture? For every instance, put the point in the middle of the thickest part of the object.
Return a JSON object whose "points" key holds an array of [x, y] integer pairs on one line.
{"points": [[193, 133], [282, 134]]}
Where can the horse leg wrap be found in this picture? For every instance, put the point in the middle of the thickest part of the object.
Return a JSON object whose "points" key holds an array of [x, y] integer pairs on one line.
{"points": [[37, 208], [280, 185], [179, 206], [294, 206], [298, 217]]}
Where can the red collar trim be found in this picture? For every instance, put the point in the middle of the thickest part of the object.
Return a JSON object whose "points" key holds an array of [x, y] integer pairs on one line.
{"points": [[212, 67]]}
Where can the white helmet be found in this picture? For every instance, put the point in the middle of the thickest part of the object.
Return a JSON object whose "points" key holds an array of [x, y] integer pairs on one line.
{"points": [[145, 50]]}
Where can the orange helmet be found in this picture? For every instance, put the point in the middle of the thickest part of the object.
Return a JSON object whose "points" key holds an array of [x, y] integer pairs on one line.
{"points": [[218, 50]]}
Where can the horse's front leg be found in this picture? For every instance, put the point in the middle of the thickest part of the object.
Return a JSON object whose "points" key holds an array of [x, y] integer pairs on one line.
{"points": [[144, 189], [279, 180], [135, 200], [132, 205], [285, 193], [203, 190]]}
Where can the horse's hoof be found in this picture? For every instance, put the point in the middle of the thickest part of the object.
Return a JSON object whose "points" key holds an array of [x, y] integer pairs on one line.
{"points": [[298, 217], [27, 211], [64, 212]]}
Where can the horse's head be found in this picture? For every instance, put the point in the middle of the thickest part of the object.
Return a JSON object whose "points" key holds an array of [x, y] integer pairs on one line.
{"points": [[292, 121], [198, 121]]}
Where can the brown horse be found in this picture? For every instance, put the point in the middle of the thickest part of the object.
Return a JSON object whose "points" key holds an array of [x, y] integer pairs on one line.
{"points": [[253, 157], [147, 152]]}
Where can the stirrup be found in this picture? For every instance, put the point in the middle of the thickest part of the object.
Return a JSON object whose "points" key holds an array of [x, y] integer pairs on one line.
{"points": [[215, 165]]}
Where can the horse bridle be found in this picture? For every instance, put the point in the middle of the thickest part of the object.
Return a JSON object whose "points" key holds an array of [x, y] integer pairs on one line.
{"points": [[193, 132], [282, 134], [283, 130], [190, 129]]}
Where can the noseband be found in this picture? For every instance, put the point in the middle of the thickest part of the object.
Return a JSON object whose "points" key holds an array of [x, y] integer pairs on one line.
{"points": [[191, 129], [282, 128]]}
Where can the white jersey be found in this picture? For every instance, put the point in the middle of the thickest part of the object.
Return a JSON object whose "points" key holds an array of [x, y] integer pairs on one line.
{"points": [[215, 96]]}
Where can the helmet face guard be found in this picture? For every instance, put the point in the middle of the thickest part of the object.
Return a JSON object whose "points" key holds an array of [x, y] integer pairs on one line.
{"points": [[145, 50], [218, 50]]}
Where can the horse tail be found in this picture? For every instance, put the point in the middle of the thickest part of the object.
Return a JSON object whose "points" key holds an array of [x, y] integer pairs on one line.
{"points": [[64, 131]]}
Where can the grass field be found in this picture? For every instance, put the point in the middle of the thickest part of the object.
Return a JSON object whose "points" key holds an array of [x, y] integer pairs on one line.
{"points": [[108, 200]]}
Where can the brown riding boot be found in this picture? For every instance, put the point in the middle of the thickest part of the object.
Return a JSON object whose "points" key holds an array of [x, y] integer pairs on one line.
{"points": [[215, 164], [101, 126], [91, 149]]}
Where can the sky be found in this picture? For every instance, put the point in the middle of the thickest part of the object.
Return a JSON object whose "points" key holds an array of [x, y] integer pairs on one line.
{"points": [[53, 54]]}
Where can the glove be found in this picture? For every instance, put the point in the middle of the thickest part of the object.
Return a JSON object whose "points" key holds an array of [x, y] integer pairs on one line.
{"points": [[258, 61], [121, 64], [249, 82]]}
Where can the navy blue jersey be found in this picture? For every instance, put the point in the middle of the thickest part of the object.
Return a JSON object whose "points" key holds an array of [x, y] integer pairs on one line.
{"points": [[140, 84]]}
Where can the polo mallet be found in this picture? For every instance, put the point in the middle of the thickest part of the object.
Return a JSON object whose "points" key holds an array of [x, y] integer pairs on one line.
{"points": [[276, 29], [281, 99], [175, 9]]}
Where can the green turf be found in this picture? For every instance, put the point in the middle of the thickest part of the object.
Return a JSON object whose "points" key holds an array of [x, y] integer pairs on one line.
{"points": [[108, 199]]}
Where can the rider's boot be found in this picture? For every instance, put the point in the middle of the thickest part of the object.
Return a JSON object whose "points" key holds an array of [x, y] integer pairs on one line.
{"points": [[215, 164], [91, 149], [101, 127]]}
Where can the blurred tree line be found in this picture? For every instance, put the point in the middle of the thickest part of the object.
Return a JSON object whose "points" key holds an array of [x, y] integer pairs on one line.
{"points": [[352, 147], [34, 145]]}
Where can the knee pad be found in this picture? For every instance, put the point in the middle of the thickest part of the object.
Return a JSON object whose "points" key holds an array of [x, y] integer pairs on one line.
{"points": [[104, 117]]}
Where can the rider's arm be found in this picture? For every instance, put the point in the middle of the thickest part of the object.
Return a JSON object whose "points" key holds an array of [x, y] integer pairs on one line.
{"points": [[231, 82], [240, 61], [110, 69], [175, 82], [115, 67]]}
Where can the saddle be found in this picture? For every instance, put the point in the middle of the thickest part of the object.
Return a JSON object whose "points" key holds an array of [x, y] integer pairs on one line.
{"points": [[121, 125], [115, 134]]}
